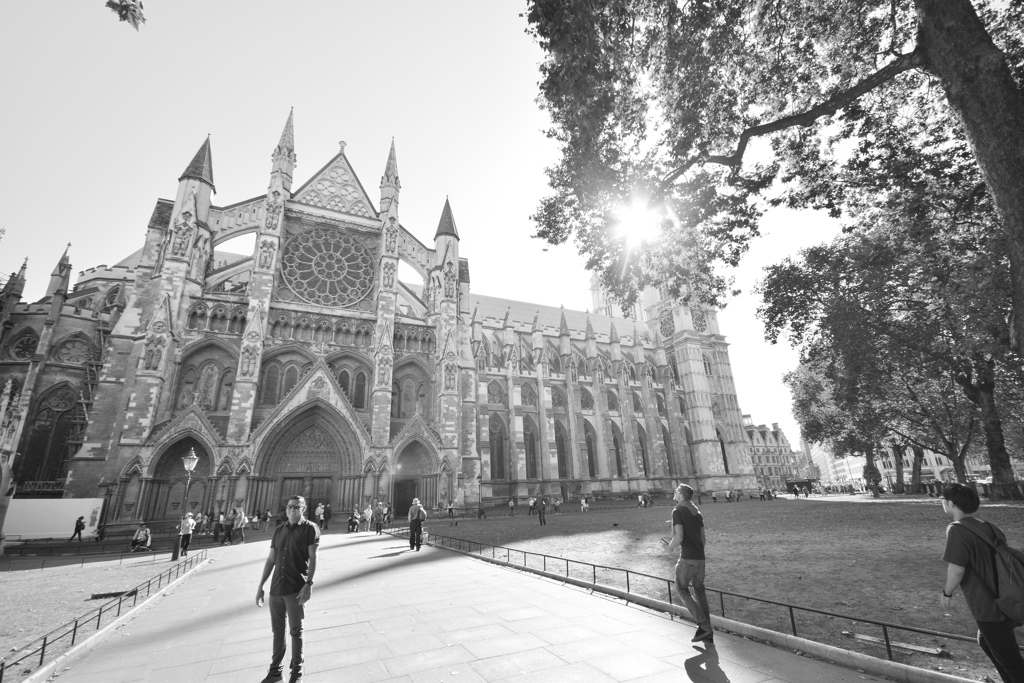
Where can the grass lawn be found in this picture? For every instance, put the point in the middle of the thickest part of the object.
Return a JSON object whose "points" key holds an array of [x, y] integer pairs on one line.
{"points": [[38, 601], [849, 555]]}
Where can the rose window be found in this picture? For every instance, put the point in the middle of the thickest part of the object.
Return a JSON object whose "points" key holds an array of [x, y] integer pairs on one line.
{"points": [[327, 268], [75, 351], [24, 347]]}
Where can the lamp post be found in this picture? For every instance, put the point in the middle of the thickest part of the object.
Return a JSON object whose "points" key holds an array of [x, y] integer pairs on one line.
{"points": [[189, 461]]}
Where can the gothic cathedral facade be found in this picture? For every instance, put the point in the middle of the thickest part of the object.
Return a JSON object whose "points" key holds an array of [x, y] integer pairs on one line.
{"points": [[308, 367]]}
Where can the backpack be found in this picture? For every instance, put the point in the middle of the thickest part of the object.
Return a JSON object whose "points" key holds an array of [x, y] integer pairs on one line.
{"points": [[1009, 590]]}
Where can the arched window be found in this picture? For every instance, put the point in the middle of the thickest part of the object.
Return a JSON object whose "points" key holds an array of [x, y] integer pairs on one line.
{"points": [[396, 394], [408, 397], [641, 439], [669, 455], [632, 373], [707, 366], [554, 361], [675, 370], [291, 378], [270, 385], [47, 440], [586, 400], [529, 395], [638, 405], [359, 393], [613, 400], [530, 445], [496, 437], [343, 381], [558, 399], [620, 469], [721, 443], [661, 405], [561, 439], [495, 393], [591, 440], [682, 406]]}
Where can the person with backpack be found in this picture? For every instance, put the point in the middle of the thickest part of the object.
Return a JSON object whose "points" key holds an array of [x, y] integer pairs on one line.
{"points": [[983, 567], [416, 516]]}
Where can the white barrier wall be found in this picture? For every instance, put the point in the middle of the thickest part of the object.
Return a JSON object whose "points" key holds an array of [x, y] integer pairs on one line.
{"points": [[51, 517]]}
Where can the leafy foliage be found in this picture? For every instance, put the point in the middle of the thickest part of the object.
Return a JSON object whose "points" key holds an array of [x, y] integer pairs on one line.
{"points": [[129, 11]]}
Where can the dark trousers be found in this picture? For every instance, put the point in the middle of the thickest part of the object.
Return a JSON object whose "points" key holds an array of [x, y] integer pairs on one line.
{"points": [[379, 526], [998, 641], [218, 528], [540, 513], [186, 539], [415, 534], [281, 605], [78, 532], [227, 536]]}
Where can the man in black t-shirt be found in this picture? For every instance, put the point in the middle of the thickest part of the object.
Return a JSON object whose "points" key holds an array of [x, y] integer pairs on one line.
{"points": [[688, 536], [972, 568], [292, 560]]}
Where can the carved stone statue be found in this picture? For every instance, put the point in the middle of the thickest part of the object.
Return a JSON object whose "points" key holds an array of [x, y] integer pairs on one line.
{"points": [[391, 236], [266, 254], [250, 355], [389, 275], [450, 371], [151, 358], [449, 280]]}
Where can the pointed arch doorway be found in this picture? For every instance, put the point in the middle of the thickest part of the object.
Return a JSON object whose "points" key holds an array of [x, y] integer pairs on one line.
{"points": [[315, 455], [415, 477]]}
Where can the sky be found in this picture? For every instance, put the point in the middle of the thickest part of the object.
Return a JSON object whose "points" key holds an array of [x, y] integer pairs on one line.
{"points": [[101, 120]]}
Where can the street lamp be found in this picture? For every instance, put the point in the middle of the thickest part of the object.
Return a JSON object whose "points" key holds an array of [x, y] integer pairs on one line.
{"points": [[189, 461]]}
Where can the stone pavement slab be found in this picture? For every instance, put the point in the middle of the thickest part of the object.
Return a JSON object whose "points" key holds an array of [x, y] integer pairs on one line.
{"points": [[381, 612]]}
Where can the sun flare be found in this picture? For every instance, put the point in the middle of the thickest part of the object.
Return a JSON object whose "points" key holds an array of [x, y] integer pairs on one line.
{"points": [[638, 223]]}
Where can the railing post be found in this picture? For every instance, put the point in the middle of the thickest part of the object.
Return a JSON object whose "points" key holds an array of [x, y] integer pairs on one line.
{"points": [[721, 601], [119, 600], [792, 619], [74, 632], [594, 567], [627, 581], [545, 562], [42, 652], [888, 645], [99, 615]]}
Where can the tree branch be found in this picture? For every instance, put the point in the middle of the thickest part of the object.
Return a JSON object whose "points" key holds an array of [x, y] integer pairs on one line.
{"points": [[837, 101]]}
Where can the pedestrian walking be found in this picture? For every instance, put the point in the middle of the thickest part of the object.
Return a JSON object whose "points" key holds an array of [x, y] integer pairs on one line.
{"points": [[218, 528], [185, 529], [229, 528], [511, 507], [267, 516], [320, 515], [584, 504], [240, 521], [292, 560], [558, 501], [79, 528], [541, 512], [714, 497], [970, 552], [532, 507], [367, 516], [451, 510], [378, 519], [417, 514], [389, 513], [688, 536], [327, 515]]}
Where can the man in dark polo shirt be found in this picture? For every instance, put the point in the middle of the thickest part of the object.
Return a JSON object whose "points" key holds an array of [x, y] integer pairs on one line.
{"points": [[292, 559], [972, 567], [688, 536]]}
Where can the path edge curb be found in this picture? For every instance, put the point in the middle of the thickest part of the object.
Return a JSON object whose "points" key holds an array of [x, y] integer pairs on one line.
{"points": [[829, 653], [43, 673]]}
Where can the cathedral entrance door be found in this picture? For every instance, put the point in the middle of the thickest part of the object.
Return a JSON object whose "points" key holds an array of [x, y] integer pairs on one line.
{"points": [[291, 486], [405, 491]]}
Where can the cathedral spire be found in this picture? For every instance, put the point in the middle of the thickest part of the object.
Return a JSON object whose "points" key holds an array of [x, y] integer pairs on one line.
{"points": [[201, 166], [283, 157], [16, 283], [446, 226], [391, 168], [60, 278], [590, 328], [563, 327], [613, 334], [390, 185]]}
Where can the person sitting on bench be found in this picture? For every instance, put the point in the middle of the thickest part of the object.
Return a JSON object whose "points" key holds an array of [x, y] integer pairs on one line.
{"points": [[140, 542]]}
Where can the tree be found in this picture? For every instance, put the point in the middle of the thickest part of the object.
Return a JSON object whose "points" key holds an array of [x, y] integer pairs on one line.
{"points": [[129, 11], [661, 100]]}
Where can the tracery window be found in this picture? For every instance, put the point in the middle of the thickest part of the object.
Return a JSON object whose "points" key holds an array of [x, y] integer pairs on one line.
{"points": [[557, 398], [561, 439], [48, 446], [586, 400], [327, 267], [641, 439], [661, 404], [638, 405], [529, 395], [708, 368], [291, 378], [496, 439], [359, 392], [74, 351], [591, 440], [613, 401], [620, 469], [270, 384], [495, 394], [530, 446], [24, 348]]}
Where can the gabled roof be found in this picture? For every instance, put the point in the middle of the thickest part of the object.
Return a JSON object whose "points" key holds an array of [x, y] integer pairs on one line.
{"points": [[337, 187]]}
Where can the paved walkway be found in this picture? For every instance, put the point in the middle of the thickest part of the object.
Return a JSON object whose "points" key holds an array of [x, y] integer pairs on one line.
{"points": [[382, 613]]}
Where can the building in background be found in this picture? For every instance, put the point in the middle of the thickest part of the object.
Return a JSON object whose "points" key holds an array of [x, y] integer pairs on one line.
{"points": [[307, 366], [774, 460]]}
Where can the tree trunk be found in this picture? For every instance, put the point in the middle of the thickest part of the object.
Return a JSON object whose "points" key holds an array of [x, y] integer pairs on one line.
{"points": [[980, 88], [915, 477], [1003, 486], [897, 454], [871, 474]]}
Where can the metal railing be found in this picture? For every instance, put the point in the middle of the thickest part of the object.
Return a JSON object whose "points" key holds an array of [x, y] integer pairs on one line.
{"points": [[28, 561], [93, 619], [587, 573]]}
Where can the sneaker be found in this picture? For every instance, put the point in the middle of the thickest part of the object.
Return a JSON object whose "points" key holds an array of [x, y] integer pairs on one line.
{"points": [[295, 678], [273, 677], [703, 634]]}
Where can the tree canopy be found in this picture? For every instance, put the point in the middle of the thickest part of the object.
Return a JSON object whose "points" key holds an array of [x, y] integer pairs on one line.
{"points": [[659, 101]]}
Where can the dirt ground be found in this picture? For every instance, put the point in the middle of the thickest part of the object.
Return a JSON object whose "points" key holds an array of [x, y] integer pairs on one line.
{"points": [[37, 601], [852, 556]]}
